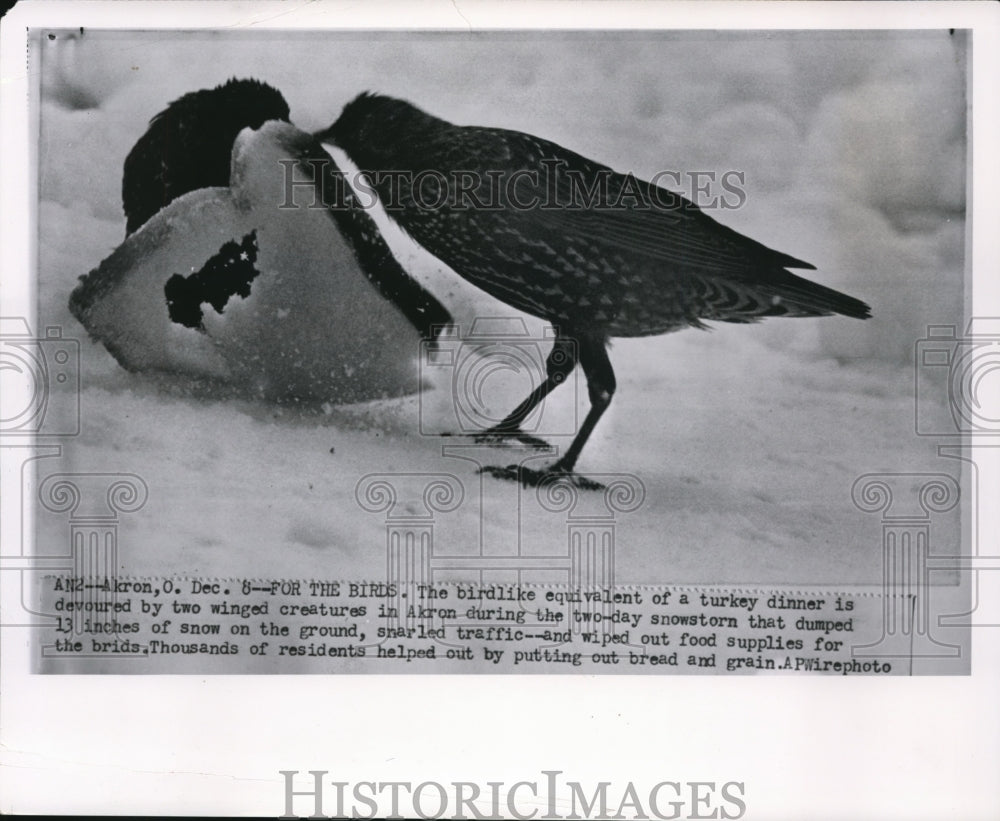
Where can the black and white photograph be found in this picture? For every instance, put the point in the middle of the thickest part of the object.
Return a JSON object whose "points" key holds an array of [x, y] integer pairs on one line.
{"points": [[645, 351], [487, 325]]}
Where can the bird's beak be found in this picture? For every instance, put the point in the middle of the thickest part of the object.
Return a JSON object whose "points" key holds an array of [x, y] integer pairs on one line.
{"points": [[325, 135]]}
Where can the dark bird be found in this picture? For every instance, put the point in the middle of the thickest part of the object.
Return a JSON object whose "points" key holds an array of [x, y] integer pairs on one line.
{"points": [[596, 253], [188, 146]]}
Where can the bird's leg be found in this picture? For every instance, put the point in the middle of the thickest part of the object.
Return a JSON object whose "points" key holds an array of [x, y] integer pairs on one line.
{"points": [[601, 386], [559, 365]]}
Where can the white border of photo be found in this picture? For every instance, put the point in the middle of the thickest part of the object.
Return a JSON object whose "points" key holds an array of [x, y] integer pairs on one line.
{"points": [[803, 747]]}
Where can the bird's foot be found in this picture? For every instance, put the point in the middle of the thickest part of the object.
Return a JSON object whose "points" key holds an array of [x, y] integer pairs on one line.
{"points": [[506, 437], [529, 477]]}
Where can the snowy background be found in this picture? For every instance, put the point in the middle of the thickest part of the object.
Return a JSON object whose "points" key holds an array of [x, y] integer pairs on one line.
{"points": [[747, 439]]}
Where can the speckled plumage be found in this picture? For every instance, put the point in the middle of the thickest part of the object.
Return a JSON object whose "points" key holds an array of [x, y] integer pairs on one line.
{"points": [[631, 271], [593, 272]]}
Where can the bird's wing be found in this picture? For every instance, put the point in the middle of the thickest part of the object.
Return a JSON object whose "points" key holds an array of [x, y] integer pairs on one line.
{"points": [[588, 205], [635, 216], [628, 214]]}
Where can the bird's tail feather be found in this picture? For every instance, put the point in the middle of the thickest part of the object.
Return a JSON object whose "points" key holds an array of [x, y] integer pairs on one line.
{"points": [[775, 293], [811, 298]]}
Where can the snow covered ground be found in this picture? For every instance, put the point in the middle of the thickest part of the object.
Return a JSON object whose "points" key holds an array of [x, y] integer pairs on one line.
{"points": [[747, 440]]}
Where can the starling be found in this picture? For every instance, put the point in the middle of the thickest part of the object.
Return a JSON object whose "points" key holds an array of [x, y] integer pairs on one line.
{"points": [[596, 253], [188, 146]]}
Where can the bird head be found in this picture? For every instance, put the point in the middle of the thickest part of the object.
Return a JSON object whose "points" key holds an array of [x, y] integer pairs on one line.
{"points": [[188, 145], [373, 128], [250, 102]]}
